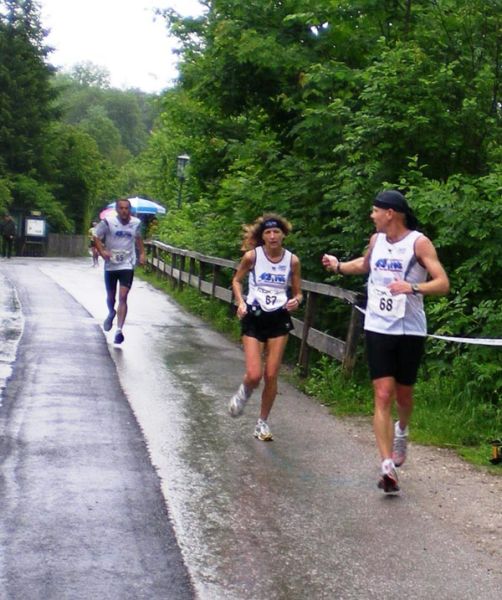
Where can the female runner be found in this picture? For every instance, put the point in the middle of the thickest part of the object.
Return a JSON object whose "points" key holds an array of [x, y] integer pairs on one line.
{"points": [[265, 312]]}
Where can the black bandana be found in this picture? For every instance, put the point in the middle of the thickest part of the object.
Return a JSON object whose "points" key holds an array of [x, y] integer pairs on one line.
{"points": [[395, 200], [273, 224]]}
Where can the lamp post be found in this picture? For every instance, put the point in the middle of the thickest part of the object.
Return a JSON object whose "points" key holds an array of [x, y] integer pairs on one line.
{"points": [[182, 162]]}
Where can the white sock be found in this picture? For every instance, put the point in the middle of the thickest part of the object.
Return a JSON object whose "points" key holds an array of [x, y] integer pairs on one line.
{"points": [[400, 432], [387, 465]]}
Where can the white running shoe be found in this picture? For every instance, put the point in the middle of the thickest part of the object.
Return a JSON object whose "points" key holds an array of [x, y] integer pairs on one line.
{"points": [[400, 445], [238, 401], [262, 431], [388, 481]]}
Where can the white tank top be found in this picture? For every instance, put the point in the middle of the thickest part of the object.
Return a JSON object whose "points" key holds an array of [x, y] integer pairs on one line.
{"points": [[120, 240], [402, 314], [268, 281]]}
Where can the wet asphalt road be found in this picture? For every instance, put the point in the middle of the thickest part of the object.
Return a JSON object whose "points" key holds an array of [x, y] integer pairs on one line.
{"points": [[123, 477]]}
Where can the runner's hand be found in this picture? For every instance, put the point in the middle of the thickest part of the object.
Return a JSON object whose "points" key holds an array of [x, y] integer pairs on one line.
{"points": [[242, 310], [330, 262]]}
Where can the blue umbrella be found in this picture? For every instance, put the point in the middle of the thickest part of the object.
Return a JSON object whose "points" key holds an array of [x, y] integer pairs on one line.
{"points": [[142, 206]]}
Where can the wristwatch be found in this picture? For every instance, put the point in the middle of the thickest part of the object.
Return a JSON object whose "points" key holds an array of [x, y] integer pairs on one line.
{"points": [[415, 289]]}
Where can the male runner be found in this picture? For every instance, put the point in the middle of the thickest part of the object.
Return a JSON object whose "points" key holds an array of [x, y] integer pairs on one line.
{"points": [[121, 236], [403, 267]]}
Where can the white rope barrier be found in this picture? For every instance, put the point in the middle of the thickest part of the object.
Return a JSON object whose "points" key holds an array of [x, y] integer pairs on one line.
{"points": [[458, 340], [461, 340]]}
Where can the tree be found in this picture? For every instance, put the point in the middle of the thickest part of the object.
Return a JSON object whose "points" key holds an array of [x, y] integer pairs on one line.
{"points": [[26, 96], [87, 74]]}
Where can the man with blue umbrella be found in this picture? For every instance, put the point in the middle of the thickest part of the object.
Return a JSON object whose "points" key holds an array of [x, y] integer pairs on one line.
{"points": [[117, 239]]}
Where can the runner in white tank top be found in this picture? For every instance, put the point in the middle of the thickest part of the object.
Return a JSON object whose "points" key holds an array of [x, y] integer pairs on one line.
{"points": [[398, 314], [116, 240], [398, 261], [265, 314], [269, 280]]}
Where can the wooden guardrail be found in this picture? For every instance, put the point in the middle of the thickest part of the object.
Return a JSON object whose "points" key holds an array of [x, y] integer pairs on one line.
{"points": [[205, 272]]}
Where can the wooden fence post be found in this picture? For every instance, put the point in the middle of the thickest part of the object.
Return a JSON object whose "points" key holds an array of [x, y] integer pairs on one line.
{"points": [[181, 270], [353, 334], [215, 277], [310, 309], [171, 270], [191, 270], [202, 274]]}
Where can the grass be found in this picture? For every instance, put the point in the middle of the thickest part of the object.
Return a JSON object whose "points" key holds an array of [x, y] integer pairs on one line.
{"points": [[443, 416]]}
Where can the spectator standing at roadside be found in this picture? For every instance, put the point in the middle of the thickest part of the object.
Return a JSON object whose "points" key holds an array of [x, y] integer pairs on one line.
{"points": [[8, 235], [92, 244], [265, 313], [117, 239], [403, 267]]}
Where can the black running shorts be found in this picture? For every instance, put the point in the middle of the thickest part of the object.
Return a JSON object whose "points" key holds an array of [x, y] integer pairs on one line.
{"points": [[264, 325], [395, 356], [124, 277]]}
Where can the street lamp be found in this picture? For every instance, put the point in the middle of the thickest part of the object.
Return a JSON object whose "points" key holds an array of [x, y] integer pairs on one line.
{"points": [[182, 162]]}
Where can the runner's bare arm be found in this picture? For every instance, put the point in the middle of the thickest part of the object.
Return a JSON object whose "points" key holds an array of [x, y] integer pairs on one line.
{"points": [[296, 285], [103, 252], [243, 269], [141, 249], [356, 266], [438, 283]]}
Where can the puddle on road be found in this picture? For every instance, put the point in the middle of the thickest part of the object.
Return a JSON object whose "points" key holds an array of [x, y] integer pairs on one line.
{"points": [[11, 329], [240, 506]]}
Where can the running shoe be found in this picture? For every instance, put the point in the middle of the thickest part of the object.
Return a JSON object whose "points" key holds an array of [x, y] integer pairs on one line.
{"points": [[238, 401], [388, 481], [400, 445], [119, 337], [107, 325], [262, 431]]}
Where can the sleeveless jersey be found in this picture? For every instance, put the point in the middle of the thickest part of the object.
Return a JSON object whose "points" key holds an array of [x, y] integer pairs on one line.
{"points": [[402, 314], [120, 241], [268, 281]]}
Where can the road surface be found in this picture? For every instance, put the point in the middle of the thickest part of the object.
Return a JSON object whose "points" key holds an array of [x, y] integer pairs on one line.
{"points": [[131, 449]]}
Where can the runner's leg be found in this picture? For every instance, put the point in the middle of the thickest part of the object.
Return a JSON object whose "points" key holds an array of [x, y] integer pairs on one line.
{"points": [[383, 426], [122, 306], [111, 290], [253, 350], [273, 359]]}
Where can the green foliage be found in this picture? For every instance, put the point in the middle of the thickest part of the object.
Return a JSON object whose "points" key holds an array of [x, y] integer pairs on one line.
{"points": [[5, 194], [310, 109], [25, 91], [118, 120], [465, 416], [330, 385], [78, 174], [87, 74], [31, 193]]}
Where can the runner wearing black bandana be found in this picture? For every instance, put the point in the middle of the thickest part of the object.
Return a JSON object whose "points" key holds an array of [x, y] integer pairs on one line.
{"points": [[403, 266], [274, 291]]}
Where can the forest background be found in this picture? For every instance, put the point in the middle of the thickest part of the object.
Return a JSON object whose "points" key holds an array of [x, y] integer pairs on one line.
{"points": [[307, 108]]}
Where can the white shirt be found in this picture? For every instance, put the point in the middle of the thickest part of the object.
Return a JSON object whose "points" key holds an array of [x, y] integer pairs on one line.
{"points": [[401, 314], [268, 281], [120, 241]]}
